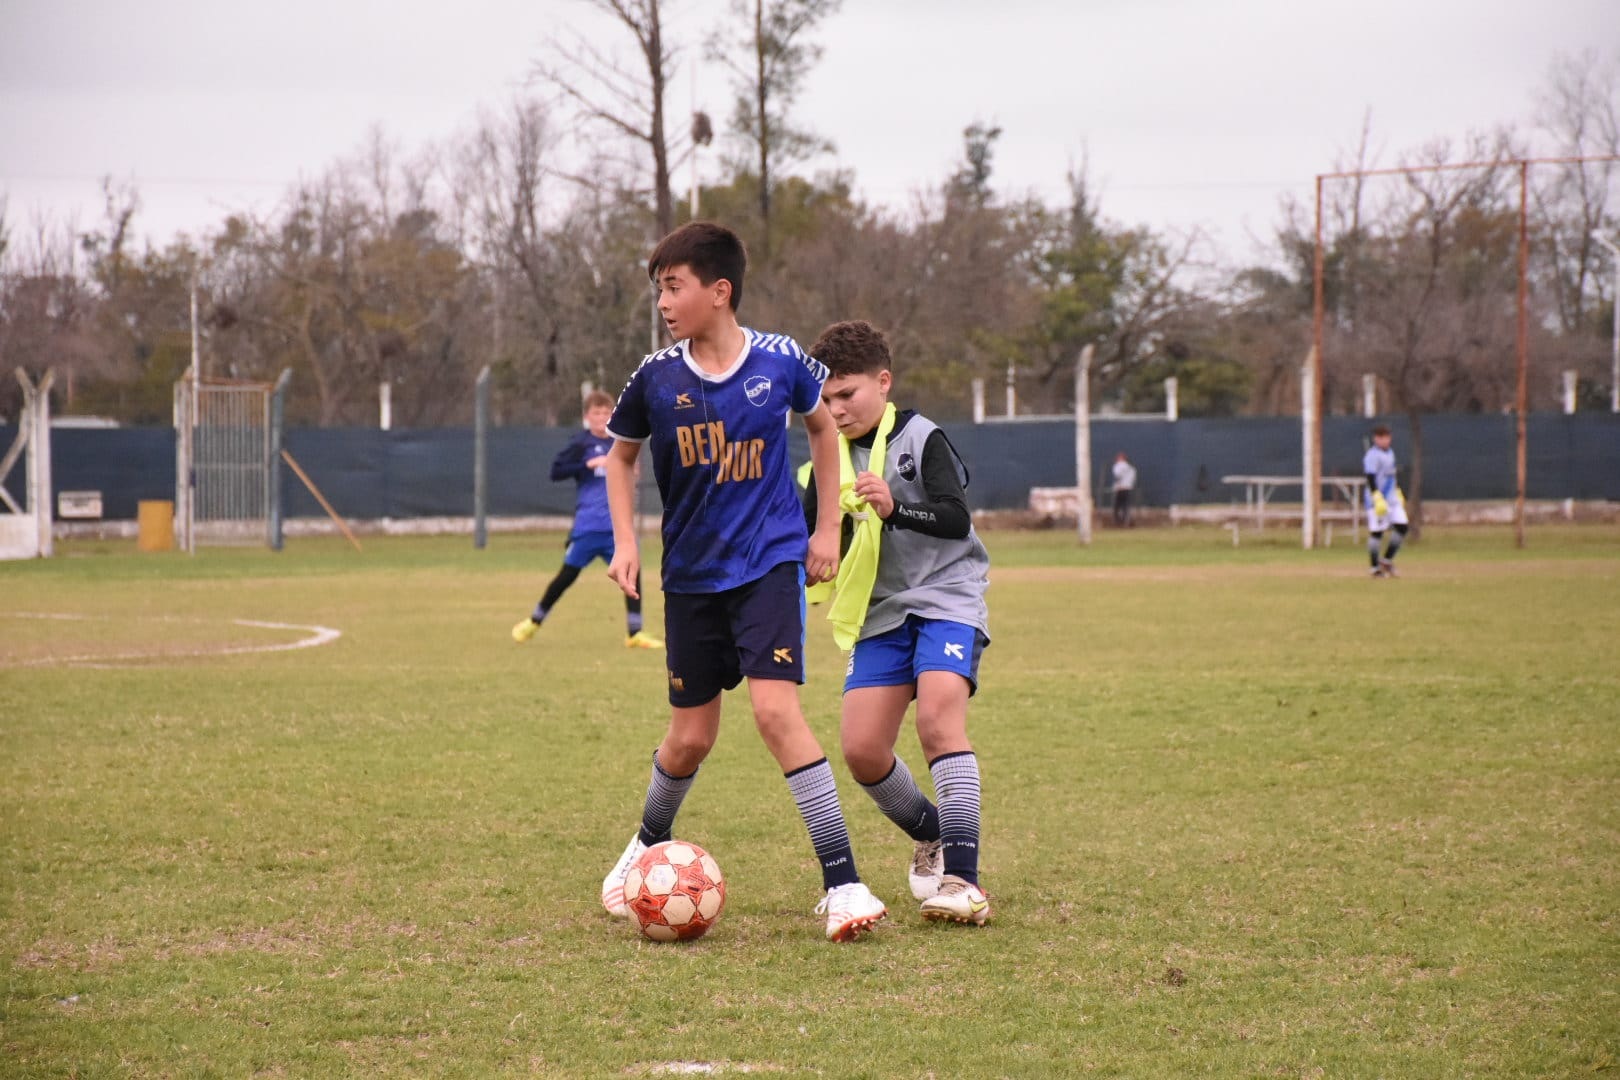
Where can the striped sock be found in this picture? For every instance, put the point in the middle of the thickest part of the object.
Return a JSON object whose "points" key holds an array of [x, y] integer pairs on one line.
{"points": [[664, 795], [956, 782], [903, 803], [817, 797]]}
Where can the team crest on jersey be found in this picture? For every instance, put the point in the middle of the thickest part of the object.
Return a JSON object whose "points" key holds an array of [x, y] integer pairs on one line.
{"points": [[758, 389], [906, 466]]}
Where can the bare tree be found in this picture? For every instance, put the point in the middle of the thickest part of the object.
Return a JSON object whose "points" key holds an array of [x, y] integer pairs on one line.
{"points": [[1439, 284], [1579, 111], [630, 103], [769, 58]]}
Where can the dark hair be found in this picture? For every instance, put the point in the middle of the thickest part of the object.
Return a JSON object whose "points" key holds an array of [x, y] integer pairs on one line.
{"points": [[597, 398], [709, 250], [1381, 429], [852, 348]]}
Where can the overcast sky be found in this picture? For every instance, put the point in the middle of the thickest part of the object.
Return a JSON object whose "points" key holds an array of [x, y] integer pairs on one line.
{"points": [[1190, 113]]}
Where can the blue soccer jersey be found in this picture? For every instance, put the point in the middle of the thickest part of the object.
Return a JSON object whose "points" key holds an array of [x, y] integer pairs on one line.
{"points": [[719, 453], [590, 500]]}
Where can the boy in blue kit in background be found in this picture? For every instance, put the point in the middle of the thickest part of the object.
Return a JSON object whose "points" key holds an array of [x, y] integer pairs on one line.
{"points": [[584, 461], [1386, 505], [713, 410], [911, 602]]}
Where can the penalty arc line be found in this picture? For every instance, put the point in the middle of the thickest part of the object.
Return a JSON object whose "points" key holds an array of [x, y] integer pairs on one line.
{"points": [[318, 635]]}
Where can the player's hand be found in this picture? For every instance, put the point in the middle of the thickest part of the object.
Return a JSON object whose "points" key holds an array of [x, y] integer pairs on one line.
{"points": [[596, 462], [875, 490], [1380, 504], [821, 562], [624, 569]]}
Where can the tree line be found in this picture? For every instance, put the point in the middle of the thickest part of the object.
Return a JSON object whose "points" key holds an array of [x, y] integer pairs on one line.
{"points": [[508, 246]]}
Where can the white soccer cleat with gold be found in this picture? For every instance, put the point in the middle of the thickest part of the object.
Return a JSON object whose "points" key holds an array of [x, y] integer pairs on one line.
{"points": [[613, 884], [957, 901], [851, 911]]}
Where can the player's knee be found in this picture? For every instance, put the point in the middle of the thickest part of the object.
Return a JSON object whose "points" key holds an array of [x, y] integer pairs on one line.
{"points": [[1401, 528], [1376, 534], [683, 751], [866, 755], [778, 720], [941, 730]]}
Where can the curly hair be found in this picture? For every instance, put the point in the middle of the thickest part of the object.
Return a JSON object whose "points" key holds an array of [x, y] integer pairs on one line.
{"points": [[855, 347]]}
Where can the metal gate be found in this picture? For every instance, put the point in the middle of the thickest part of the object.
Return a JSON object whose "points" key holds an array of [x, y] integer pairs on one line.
{"points": [[223, 450]]}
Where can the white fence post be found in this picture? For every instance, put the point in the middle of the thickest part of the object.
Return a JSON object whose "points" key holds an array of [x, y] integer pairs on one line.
{"points": [[1082, 443]]}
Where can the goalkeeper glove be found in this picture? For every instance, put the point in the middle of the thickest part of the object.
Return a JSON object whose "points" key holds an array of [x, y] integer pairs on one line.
{"points": [[1380, 505]]}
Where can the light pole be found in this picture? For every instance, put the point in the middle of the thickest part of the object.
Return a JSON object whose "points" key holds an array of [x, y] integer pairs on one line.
{"points": [[1614, 361]]}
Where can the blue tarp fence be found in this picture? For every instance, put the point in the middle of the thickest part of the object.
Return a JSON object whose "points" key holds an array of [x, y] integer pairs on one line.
{"points": [[368, 473]]}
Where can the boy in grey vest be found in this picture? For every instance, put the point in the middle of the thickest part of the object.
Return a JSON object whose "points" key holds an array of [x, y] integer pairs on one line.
{"points": [[924, 624]]}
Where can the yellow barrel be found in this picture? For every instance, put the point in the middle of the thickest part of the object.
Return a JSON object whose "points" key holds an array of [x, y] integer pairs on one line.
{"points": [[156, 519]]}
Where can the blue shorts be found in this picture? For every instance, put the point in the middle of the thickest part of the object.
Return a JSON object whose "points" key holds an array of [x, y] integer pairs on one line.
{"points": [[713, 641], [585, 547], [898, 656]]}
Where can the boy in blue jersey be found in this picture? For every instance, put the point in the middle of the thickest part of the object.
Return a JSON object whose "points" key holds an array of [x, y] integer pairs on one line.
{"points": [[1386, 506], [911, 603], [584, 461], [713, 411]]}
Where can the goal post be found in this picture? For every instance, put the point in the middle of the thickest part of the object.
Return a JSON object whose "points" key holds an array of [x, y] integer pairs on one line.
{"points": [[25, 528]]}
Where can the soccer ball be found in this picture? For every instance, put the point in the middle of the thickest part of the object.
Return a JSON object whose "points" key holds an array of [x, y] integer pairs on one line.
{"points": [[675, 891]]}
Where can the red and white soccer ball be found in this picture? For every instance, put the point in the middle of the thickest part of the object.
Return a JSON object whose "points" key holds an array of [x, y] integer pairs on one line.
{"points": [[675, 891]]}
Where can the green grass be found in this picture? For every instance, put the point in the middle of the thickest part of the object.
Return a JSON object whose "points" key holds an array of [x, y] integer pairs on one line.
{"points": [[1247, 813]]}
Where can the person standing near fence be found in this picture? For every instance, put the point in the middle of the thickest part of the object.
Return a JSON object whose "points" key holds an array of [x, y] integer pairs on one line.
{"points": [[1124, 489], [1386, 505]]}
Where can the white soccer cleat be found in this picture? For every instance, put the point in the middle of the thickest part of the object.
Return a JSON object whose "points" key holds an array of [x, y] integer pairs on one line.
{"points": [[613, 884], [851, 911], [957, 901], [927, 867], [1387, 567]]}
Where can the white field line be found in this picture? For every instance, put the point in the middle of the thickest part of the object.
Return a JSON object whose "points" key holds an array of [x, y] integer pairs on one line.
{"points": [[317, 635]]}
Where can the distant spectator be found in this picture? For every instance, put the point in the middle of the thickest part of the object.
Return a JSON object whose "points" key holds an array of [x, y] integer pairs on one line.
{"points": [[1124, 486]]}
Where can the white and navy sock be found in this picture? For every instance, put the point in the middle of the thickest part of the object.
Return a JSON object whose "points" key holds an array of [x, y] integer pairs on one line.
{"points": [[903, 803], [664, 795], [817, 797], [956, 782]]}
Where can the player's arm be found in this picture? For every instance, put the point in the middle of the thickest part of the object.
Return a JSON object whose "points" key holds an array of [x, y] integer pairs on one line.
{"points": [[944, 513], [1380, 504], [621, 487], [569, 463], [821, 564]]}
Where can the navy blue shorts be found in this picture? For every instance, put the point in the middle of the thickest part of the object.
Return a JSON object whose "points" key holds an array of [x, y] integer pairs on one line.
{"points": [[713, 641], [586, 547], [899, 656]]}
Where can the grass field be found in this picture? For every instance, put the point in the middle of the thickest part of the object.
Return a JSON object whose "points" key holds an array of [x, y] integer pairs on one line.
{"points": [[1247, 813]]}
